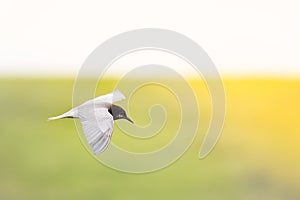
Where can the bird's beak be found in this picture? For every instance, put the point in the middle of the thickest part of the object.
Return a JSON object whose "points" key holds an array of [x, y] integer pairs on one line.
{"points": [[129, 119]]}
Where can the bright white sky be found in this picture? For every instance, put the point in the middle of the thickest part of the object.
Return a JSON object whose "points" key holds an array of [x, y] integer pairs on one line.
{"points": [[53, 37]]}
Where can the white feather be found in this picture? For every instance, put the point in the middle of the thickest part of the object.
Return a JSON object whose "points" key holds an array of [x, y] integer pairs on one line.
{"points": [[98, 128], [70, 113]]}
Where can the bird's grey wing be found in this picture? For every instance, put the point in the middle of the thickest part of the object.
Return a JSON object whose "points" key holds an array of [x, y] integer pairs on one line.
{"points": [[111, 97], [98, 127], [106, 100]]}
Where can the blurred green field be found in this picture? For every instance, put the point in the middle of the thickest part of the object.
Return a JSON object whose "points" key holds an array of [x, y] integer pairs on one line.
{"points": [[257, 156]]}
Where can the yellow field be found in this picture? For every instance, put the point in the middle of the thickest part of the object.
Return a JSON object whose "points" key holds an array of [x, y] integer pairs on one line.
{"points": [[257, 156]]}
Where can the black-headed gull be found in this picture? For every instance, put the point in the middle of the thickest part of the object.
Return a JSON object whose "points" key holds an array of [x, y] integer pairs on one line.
{"points": [[97, 118]]}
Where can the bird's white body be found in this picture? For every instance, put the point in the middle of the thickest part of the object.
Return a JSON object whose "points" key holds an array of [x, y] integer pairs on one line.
{"points": [[97, 122]]}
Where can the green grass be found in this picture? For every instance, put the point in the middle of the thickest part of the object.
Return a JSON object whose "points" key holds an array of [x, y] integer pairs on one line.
{"points": [[257, 156]]}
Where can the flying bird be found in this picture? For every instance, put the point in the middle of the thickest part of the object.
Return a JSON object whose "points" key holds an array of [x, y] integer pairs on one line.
{"points": [[97, 118]]}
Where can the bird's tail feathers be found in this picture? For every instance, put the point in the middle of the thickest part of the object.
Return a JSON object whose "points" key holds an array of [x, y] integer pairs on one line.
{"points": [[69, 114], [56, 117]]}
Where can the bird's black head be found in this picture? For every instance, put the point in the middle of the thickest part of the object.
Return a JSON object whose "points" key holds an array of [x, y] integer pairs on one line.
{"points": [[118, 113]]}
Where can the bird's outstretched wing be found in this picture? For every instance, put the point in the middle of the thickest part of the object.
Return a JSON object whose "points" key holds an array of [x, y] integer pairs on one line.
{"points": [[107, 100], [97, 122], [98, 127]]}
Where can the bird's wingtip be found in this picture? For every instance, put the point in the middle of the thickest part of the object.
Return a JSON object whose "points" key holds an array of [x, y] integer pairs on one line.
{"points": [[118, 95]]}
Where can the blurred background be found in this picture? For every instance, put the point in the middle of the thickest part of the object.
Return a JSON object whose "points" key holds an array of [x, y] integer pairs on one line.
{"points": [[255, 45]]}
